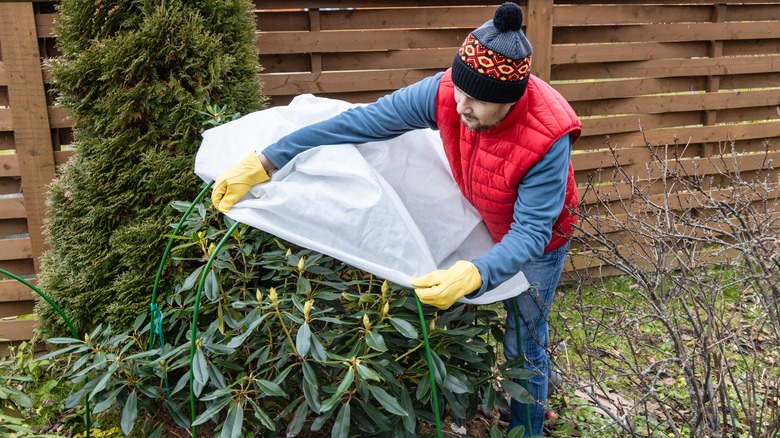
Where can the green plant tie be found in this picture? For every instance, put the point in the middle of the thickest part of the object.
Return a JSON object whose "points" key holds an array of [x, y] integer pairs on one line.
{"points": [[157, 333], [194, 330], [87, 420]]}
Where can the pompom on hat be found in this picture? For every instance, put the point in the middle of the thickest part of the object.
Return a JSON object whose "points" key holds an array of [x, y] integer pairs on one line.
{"points": [[494, 62]]}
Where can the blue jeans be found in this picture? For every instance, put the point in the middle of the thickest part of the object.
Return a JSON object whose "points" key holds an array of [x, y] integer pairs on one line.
{"points": [[533, 309]]}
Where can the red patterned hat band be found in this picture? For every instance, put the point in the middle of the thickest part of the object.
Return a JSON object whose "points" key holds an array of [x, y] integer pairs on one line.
{"points": [[492, 64]]}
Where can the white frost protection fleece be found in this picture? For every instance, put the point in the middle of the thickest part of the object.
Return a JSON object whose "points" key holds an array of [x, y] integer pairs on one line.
{"points": [[390, 208]]}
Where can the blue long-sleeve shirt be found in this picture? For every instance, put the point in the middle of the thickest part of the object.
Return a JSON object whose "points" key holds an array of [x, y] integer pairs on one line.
{"points": [[540, 194]]}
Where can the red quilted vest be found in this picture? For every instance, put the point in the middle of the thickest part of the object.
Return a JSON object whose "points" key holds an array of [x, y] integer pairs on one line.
{"points": [[489, 165]]}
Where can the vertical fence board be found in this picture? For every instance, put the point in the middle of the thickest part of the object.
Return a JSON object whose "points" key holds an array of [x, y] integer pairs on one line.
{"points": [[27, 101]]}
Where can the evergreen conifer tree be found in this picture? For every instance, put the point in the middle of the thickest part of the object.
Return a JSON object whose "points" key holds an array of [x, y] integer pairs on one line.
{"points": [[134, 75]]}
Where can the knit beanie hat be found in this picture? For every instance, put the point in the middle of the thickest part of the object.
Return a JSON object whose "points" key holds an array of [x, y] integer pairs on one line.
{"points": [[494, 62]]}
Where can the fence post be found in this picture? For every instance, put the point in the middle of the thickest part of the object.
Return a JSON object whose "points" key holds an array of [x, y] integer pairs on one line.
{"points": [[29, 115], [539, 30]]}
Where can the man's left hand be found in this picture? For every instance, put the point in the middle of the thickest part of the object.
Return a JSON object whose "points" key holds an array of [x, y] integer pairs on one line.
{"points": [[443, 287]]}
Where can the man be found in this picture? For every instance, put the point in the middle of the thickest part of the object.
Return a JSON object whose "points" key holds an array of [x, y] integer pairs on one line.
{"points": [[508, 137]]}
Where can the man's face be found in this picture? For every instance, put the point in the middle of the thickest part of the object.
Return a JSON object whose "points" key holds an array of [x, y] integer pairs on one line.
{"points": [[478, 115]]}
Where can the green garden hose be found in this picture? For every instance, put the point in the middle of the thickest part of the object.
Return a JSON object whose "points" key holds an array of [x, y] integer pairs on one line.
{"points": [[520, 349], [194, 330], [431, 375], [68, 322]]}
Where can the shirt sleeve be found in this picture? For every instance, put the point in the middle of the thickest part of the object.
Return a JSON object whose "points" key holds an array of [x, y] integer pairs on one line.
{"points": [[540, 199], [412, 107]]}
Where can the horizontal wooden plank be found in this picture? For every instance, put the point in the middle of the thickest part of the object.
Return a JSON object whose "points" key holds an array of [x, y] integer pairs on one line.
{"points": [[59, 117], [590, 160], [609, 89], [681, 67], [18, 329], [15, 249], [590, 14], [768, 11], [61, 157], [336, 82], [9, 227], [299, 4], [688, 135], [440, 58], [12, 207], [422, 17], [6, 121], [683, 102], [16, 308], [618, 52], [357, 40], [44, 25], [12, 290], [618, 124], [662, 32], [9, 165], [594, 15], [22, 267]]}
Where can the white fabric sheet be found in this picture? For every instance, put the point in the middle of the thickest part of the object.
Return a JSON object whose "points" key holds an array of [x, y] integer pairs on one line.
{"points": [[390, 208]]}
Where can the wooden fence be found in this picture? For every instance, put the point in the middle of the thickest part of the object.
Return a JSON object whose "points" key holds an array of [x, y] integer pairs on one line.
{"points": [[704, 72]]}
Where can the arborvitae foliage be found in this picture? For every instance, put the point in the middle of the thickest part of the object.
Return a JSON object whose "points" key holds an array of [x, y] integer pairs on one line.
{"points": [[134, 75]]}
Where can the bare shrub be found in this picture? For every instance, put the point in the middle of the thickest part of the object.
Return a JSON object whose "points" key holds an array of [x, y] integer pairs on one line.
{"points": [[696, 336]]}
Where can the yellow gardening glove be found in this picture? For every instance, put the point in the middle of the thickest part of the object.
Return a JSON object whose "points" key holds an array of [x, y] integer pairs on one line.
{"points": [[235, 182], [443, 287]]}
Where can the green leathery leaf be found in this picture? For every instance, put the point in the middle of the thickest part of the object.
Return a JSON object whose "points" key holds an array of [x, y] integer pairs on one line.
{"points": [[387, 401], [303, 339], [405, 328], [311, 388], [341, 426], [234, 421], [129, 413], [318, 352], [349, 377], [270, 388], [439, 370], [299, 419], [101, 385], [211, 411], [367, 373], [488, 398], [304, 286], [455, 384], [200, 368], [375, 341], [260, 414], [517, 392], [516, 432]]}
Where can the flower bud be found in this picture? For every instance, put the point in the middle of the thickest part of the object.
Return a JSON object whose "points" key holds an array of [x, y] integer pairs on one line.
{"points": [[307, 308], [211, 249], [272, 295], [301, 264], [289, 251], [86, 338], [385, 288], [258, 295], [432, 325], [366, 322], [385, 309]]}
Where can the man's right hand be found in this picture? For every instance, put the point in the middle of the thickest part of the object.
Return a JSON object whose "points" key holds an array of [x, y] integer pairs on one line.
{"points": [[235, 182]]}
